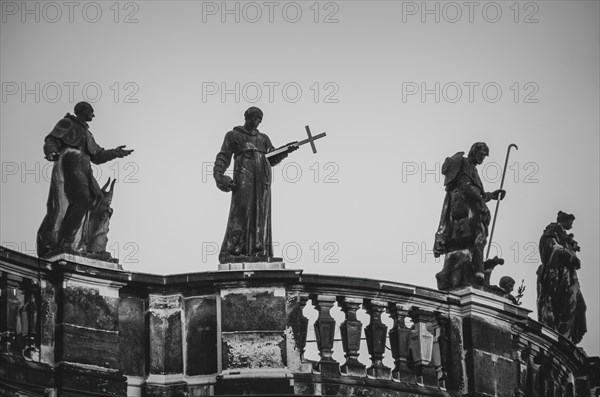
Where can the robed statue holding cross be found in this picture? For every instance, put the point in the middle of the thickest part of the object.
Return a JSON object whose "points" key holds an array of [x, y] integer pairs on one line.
{"points": [[248, 234]]}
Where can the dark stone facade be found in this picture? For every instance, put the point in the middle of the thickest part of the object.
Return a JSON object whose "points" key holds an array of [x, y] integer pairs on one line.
{"points": [[71, 330]]}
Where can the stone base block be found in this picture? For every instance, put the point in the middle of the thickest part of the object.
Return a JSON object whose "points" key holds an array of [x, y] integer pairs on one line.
{"points": [[172, 390], [252, 266], [82, 260], [239, 387], [404, 374], [354, 368], [80, 380], [327, 368], [379, 372]]}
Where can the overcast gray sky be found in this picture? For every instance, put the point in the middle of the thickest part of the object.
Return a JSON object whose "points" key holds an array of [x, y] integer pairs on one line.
{"points": [[397, 86]]}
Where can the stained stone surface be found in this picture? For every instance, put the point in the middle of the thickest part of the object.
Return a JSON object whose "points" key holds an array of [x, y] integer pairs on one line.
{"points": [[48, 322], [490, 372], [275, 387], [76, 381], [90, 346], [254, 323], [253, 350], [483, 334], [132, 335], [199, 390], [173, 390], [253, 309], [488, 346], [90, 324], [456, 370], [165, 335], [86, 307], [201, 335]]}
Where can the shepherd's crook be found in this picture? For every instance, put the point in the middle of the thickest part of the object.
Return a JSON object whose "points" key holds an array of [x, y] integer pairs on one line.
{"points": [[487, 255]]}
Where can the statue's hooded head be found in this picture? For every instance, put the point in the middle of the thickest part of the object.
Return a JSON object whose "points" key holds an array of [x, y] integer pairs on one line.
{"points": [[253, 112], [253, 117], [478, 152], [84, 110], [566, 220]]}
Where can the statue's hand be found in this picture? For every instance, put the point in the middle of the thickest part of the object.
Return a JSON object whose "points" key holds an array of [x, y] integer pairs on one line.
{"points": [[120, 151], [224, 182], [52, 156], [498, 194]]}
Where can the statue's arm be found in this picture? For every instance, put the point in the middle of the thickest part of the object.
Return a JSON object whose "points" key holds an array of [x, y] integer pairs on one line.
{"points": [[469, 190], [102, 156], [99, 155], [222, 162], [52, 146], [275, 160], [495, 195]]}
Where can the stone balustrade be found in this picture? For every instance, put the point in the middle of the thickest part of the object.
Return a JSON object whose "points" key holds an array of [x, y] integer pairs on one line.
{"points": [[75, 329]]}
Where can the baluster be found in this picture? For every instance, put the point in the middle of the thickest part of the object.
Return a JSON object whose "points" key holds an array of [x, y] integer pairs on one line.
{"points": [[421, 341], [325, 332], [437, 356], [399, 341], [376, 333], [351, 330], [299, 323], [444, 345]]}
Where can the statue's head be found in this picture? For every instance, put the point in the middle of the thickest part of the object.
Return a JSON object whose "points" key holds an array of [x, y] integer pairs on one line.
{"points": [[84, 110], [479, 151], [507, 283], [253, 116], [566, 220]]}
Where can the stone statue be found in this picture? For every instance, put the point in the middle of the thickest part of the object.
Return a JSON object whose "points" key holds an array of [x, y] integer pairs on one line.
{"points": [[248, 234], [75, 197], [560, 303], [463, 228], [507, 285]]}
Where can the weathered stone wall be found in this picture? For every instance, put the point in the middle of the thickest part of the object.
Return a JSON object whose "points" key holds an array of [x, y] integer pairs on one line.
{"points": [[74, 329]]}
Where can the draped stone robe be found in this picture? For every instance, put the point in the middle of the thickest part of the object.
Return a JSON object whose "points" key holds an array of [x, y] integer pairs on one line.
{"points": [[248, 233]]}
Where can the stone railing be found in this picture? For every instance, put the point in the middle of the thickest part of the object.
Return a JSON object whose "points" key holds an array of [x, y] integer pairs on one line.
{"points": [[73, 329]]}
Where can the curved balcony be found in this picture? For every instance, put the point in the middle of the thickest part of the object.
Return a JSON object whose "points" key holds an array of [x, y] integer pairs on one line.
{"points": [[72, 329]]}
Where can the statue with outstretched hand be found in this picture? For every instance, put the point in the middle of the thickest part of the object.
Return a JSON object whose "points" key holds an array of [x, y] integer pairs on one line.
{"points": [[74, 192]]}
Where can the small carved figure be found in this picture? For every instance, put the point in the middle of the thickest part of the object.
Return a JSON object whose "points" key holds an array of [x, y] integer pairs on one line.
{"points": [[74, 192], [560, 302], [248, 235], [507, 285], [98, 224], [464, 221]]}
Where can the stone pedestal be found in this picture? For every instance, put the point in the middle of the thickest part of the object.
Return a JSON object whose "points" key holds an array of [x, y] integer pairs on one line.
{"points": [[488, 344], [252, 266], [83, 260], [253, 324], [253, 340]]}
